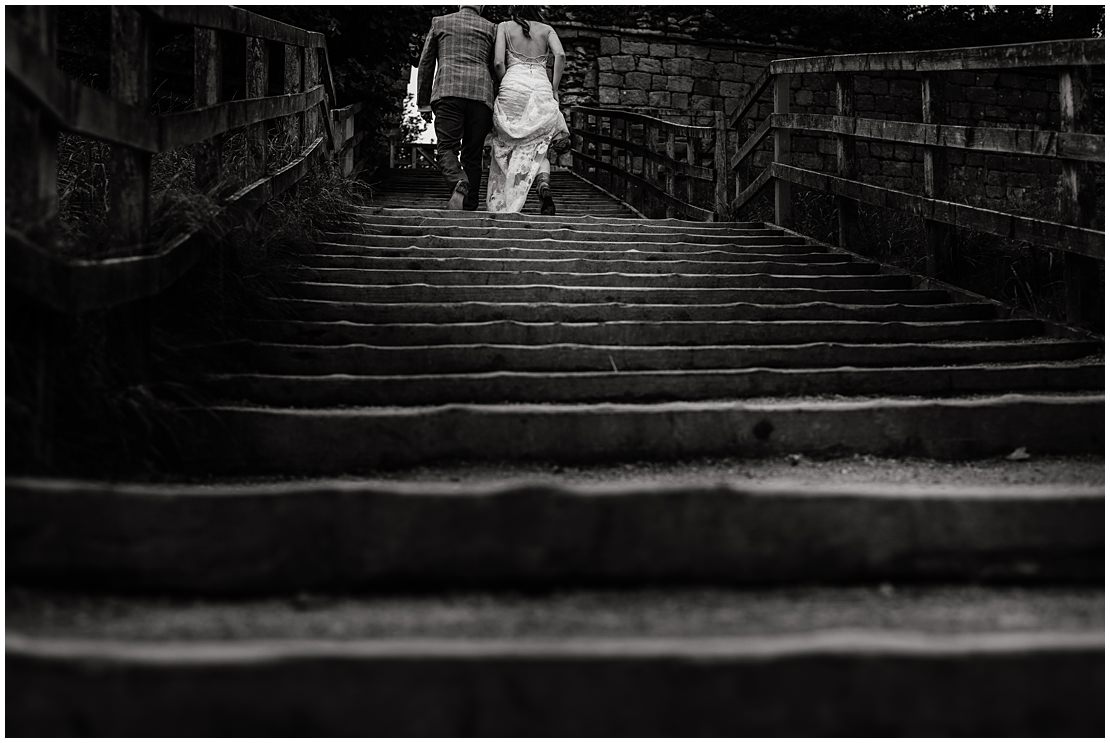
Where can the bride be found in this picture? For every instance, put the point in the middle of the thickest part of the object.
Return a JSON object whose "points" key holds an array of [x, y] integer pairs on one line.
{"points": [[526, 116]]}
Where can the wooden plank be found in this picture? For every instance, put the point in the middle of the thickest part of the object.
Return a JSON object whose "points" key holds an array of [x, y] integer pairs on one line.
{"points": [[617, 114], [1080, 188], [720, 166], [670, 172], [72, 106], [681, 168], [689, 210], [75, 286], [258, 85], [938, 243], [294, 83], [129, 83], [1067, 238], [847, 211], [758, 90], [207, 86], [1071, 52], [200, 124], [753, 142], [781, 95], [1026, 142], [237, 21], [750, 191]]}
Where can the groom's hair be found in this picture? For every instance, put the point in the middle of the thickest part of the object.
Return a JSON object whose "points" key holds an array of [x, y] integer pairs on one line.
{"points": [[477, 8]]}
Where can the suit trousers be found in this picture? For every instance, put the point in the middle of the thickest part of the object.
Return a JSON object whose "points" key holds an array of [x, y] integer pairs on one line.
{"points": [[462, 124]]}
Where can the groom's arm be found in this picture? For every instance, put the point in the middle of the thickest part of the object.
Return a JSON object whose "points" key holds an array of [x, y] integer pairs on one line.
{"points": [[425, 72]]}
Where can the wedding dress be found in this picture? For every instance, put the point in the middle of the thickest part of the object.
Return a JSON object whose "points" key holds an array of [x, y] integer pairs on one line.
{"points": [[526, 119]]}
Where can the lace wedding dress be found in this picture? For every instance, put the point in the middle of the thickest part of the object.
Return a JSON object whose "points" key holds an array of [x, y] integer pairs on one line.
{"points": [[526, 119]]}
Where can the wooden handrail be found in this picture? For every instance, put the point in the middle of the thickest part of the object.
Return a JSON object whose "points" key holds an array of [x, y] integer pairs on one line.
{"points": [[120, 118], [1074, 146], [651, 178]]}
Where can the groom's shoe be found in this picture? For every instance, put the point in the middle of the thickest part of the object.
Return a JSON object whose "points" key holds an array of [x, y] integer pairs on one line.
{"points": [[547, 204], [455, 203]]}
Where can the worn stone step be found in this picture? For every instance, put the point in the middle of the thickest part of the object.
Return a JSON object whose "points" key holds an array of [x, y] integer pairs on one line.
{"points": [[869, 681], [779, 265], [569, 240], [431, 312], [173, 538], [363, 359], [423, 292], [441, 220], [507, 231], [326, 251], [641, 333], [376, 277], [316, 441], [647, 386]]}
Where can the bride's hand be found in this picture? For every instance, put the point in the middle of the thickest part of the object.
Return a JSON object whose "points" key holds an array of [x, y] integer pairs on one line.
{"points": [[555, 95]]}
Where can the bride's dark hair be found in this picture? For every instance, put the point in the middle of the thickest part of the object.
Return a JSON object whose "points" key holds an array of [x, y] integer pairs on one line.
{"points": [[522, 14]]}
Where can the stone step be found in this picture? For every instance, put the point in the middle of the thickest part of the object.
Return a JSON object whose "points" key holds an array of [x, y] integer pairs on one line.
{"points": [[666, 663], [330, 251], [363, 359], [779, 265], [377, 277], [569, 240], [431, 312], [441, 220], [195, 539], [364, 232], [633, 333], [423, 292], [638, 387], [330, 441]]}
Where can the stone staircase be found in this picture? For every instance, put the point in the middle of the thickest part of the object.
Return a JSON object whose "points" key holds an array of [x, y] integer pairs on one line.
{"points": [[587, 475]]}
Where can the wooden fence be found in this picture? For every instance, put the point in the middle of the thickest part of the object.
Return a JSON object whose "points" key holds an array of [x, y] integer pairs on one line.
{"points": [[1074, 145], [288, 90], [636, 159]]}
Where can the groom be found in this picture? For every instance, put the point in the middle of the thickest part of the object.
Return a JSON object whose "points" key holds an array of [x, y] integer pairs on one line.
{"points": [[461, 44]]}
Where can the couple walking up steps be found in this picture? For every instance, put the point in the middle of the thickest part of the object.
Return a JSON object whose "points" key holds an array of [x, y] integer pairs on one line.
{"points": [[522, 123]]}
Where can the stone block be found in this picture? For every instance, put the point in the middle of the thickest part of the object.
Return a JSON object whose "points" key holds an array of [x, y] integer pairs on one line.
{"points": [[610, 79], [729, 89], [680, 84], [692, 51], [624, 63], [628, 46], [680, 101], [703, 69], [659, 99], [610, 45], [804, 97], [604, 64], [649, 64], [658, 82], [721, 55], [706, 86], [661, 50], [633, 97], [704, 102], [638, 80], [608, 96], [730, 71], [676, 66]]}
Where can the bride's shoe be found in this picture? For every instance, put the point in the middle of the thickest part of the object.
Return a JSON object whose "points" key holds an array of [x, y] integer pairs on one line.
{"points": [[547, 204]]}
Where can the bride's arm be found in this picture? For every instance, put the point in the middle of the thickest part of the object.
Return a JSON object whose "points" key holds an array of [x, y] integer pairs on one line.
{"points": [[560, 60], [499, 53]]}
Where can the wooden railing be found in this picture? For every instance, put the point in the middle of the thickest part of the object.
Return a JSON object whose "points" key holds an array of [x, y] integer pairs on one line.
{"points": [[291, 94], [1075, 146], [636, 159]]}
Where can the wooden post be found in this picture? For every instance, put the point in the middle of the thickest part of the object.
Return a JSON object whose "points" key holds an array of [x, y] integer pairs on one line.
{"points": [[207, 86], [781, 95], [720, 167], [311, 80], [294, 83], [1082, 275], [938, 242], [847, 210], [693, 156], [670, 175], [258, 84], [129, 83]]}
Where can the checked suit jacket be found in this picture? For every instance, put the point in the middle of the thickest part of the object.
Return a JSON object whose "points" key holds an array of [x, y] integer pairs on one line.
{"points": [[461, 45]]}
